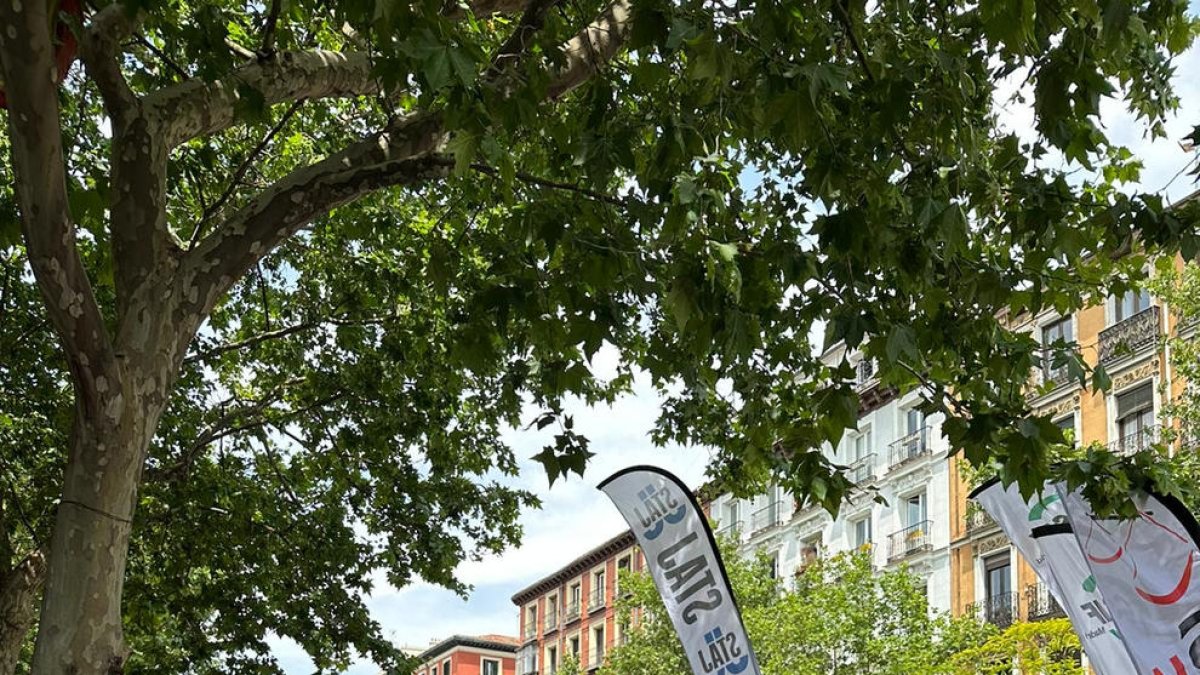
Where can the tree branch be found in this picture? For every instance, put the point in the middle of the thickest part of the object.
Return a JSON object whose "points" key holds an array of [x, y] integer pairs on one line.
{"points": [[195, 108], [240, 172], [99, 48], [268, 44], [285, 331], [593, 47], [26, 59], [555, 185], [400, 155]]}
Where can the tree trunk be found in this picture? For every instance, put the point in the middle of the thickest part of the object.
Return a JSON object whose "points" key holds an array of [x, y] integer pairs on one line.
{"points": [[18, 593], [79, 630]]}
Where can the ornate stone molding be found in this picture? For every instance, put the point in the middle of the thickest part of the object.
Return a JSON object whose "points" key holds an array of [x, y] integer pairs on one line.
{"points": [[985, 546], [1059, 407], [1146, 370], [913, 478]]}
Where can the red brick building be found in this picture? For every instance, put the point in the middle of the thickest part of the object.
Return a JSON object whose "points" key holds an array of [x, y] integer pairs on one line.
{"points": [[471, 655], [573, 610]]}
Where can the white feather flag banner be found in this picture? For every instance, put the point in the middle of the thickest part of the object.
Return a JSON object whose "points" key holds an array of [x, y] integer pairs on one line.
{"points": [[1145, 568], [1038, 528], [683, 560]]}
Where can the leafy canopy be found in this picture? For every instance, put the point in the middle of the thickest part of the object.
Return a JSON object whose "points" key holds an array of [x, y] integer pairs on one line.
{"points": [[841, 616], [735, 175]]}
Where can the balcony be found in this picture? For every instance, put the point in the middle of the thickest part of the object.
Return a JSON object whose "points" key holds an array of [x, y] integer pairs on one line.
{"points": [[530, 632], [998, 610], [550, 623], [909, 541], [570, 612], [978, 521], [730, 530], [597, 600], [1041, 604], [1130, 336], [1135, 442], [766, 517], [863, 469], [909, 448]]}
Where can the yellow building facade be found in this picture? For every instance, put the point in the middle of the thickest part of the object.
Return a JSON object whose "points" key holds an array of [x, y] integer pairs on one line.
{"points": [[1124, 334]]}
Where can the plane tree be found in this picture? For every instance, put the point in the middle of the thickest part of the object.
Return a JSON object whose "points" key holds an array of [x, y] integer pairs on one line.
{"points": [[298, 263]]}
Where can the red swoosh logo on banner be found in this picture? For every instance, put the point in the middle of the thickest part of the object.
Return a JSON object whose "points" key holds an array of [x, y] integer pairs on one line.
{"points": [[1104, 561], [1174, 596], [1175, 663]]}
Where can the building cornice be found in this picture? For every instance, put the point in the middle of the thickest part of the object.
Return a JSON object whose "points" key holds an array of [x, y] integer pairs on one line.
{"points": [[471, 641], [575, 567]]}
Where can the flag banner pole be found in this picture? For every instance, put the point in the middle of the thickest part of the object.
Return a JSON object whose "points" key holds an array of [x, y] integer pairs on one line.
{"points": [[1145, 568], [681, 554], [1032, 525]]}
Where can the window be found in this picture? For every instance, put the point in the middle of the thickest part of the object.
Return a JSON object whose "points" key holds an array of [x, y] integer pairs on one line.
{"points": [[862, 445], [862, 532], [1135, 300], [552, 659], [914, 421], [575, 646], [574, 595], [731, 513], [1135, 419], [598, 597], [915, 509], [998, 577], [490, 667], [623, 570], [1058, 334], [446, 667], [1067, 424], [810, 550], [775, 565], [531, 620], [597, 645]]}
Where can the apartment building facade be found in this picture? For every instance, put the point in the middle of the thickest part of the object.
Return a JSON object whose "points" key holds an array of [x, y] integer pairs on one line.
{"points": [[1124, 335], [896, 450], [573, 611], [470, 655]]}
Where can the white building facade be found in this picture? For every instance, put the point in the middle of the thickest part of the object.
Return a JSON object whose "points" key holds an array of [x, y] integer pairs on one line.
{"points": [[897, 450]]}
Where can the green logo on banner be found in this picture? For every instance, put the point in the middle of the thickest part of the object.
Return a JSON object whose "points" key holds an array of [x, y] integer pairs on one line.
{"points": [[1039, 509]]}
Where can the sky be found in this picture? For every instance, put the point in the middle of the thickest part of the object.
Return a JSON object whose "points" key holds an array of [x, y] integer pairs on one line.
{"points": [[619, 435]]}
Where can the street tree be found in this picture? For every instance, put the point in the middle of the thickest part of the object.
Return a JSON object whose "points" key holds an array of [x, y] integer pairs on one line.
{"points": [[840, 615], [303, 261]]}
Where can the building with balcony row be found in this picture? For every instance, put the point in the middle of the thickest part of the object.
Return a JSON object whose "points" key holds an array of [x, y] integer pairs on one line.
{"points": [[1124, 335], [470, 655], [898, 451], [573, 611]]}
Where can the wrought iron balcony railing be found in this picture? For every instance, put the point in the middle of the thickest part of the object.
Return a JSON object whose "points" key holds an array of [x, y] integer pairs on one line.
{"points": [[530, 630], [908, 448], [768, 516], [909, 541], [999, 610], [978, 521], [570, 612], [597, 599], [730, 530], [1129, 336], [863, 469], [550, 622], [1136, 442], [1040, 604]]}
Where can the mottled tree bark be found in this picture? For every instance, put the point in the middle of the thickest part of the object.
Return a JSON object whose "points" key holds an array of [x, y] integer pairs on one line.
{"points": [[19, 590]]}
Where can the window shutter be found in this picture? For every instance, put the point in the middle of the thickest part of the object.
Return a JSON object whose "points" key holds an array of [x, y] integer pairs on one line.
{"points": [[1133, 401]]}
